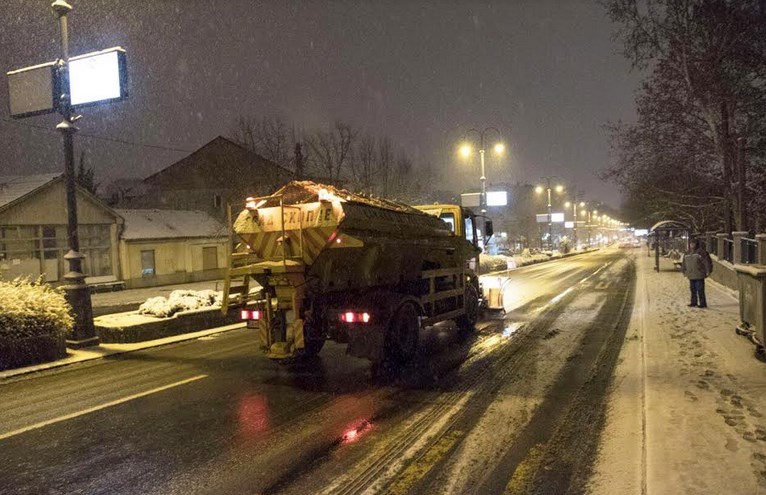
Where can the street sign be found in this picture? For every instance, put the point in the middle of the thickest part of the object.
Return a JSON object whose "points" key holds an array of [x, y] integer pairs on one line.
{"points": [[568, 225], [94, 78], [542, 218], [32, 90], [557, 217], [470, 199]]}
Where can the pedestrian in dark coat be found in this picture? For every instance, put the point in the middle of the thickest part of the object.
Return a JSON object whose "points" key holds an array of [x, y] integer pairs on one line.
{"points": [[696, 266]]}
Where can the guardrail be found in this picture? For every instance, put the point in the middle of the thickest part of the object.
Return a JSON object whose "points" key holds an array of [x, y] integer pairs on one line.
{"points": [[728, 250], [713, 247], [749, 251]]}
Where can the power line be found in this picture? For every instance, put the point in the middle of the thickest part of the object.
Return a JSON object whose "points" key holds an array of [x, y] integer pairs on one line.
{"points": [[102, 138]]}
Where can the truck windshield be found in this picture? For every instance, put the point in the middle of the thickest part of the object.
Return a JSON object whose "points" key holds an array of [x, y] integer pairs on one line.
{"points": [[450, 219]]}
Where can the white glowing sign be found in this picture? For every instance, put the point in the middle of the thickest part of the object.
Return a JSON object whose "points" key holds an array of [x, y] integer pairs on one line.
{"points": [[497, 198], [557, 217], [568, 225], [98, 77]]}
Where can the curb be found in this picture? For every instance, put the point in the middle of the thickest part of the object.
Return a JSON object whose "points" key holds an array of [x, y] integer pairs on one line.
{"points": [[106, 350]]}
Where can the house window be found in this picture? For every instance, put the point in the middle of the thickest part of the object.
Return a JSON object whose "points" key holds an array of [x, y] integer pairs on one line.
{"points": [[209, 258], [96, 245], [217, 201], [147, 263]]}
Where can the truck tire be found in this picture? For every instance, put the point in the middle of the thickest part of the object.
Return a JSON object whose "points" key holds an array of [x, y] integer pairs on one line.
{"points": [[312, 347], [313, 337], [471, 316], [403, 333]]}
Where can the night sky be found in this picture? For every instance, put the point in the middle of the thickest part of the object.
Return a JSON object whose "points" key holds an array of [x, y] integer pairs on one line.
{"points": [[546, 73]]}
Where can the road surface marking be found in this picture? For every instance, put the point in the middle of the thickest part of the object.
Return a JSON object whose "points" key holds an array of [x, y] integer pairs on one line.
{"points": [[98, 408]]}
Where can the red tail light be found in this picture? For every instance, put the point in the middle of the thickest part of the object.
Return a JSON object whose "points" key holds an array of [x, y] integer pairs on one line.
{"points": [[247, 314], [352, 317]]}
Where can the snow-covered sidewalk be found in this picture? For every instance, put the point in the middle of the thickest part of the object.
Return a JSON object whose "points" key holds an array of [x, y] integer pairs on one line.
{"points": [[686, 413]]}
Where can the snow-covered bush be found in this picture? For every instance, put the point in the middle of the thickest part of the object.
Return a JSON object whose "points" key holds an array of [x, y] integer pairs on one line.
{"points": [[493, 263], [32, 309], [34, 323], [180, 300]]}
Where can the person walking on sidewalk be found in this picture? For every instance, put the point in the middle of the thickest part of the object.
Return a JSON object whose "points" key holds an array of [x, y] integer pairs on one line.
{"points": [[696, 266]]}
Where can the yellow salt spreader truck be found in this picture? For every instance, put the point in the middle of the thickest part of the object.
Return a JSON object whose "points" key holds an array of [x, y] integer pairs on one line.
{"points": [[331, 264]]}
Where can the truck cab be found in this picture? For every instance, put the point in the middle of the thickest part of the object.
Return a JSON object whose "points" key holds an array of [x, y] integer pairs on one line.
{"points": [[464, 223]]}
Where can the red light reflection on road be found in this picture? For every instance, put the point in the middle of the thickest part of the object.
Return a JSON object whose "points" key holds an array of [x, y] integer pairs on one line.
{"points": [[355, 433], [253, 416]]}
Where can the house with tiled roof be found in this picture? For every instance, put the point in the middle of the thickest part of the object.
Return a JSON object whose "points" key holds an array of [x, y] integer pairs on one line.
{"points": [[161, 247], [221, 172], [122, 248]]}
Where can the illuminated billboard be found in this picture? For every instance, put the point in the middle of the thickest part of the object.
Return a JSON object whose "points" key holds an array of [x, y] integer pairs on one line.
{"points": [[497, 198], [98, 77], [557, 217]]}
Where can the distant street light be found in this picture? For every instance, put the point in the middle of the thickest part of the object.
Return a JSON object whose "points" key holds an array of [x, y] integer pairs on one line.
{"points": [[574, 205], [559, 189], [466, 150]]}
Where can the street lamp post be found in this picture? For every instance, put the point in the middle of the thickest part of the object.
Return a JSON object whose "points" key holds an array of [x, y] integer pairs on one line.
{"points": [[77, 293], [466, 150], [573, 204], [539, 189]]}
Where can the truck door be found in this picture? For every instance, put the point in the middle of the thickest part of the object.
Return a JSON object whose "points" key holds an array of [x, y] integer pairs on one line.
{"points": [[469, 231]]}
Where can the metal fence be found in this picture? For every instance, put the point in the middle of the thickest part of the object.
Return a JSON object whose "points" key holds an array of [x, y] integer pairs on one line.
{"points": [[749, 250], [728, 250], [713, 247]]}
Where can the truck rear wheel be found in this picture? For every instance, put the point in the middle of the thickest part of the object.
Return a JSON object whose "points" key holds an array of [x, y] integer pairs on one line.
{"points": [[312, 347], [402, 338], [313, 337], [471, 316]]}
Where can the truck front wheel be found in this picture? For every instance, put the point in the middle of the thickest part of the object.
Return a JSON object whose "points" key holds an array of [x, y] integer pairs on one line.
{"points": [[471, 316], [402, 338]]}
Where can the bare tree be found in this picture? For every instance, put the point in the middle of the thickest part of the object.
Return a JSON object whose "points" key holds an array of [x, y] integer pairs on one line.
{"points": [[385, 165], [706, 88], [331, 150], [270, 137], [364, 168]]}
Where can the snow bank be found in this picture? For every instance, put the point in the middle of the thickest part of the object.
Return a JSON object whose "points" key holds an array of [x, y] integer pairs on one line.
{"points": [[180, 300], [491, 263]]}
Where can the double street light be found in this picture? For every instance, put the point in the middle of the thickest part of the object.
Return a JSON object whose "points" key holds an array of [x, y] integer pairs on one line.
{"points": [[466, 150], [539, 190]]}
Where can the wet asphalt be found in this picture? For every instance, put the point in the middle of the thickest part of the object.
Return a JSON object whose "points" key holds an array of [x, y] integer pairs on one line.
{"points": [[214, 416]]}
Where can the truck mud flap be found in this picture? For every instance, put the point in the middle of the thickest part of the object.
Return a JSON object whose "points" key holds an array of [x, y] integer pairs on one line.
{"points": [[367, 342]]}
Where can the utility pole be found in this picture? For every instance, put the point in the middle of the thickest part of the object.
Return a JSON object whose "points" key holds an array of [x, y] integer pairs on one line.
{"points": [[539, 189], [725, 149], [77, 292], [741, 185], [466, 151]]}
